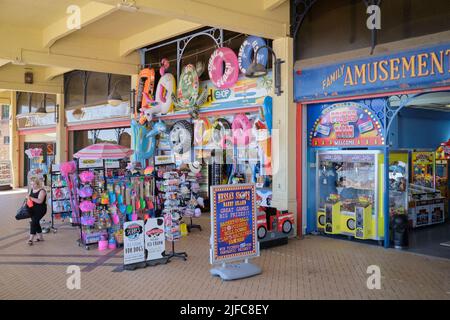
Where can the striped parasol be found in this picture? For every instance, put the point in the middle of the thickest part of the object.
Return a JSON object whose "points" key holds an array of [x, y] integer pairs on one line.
{"points": [[104, 151]]}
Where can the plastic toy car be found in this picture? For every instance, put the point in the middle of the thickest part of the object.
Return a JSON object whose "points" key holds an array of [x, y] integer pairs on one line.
{"points": [[271, 219]]}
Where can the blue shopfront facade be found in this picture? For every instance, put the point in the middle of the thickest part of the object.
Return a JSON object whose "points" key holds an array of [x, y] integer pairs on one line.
{"points": [[354, 105]]}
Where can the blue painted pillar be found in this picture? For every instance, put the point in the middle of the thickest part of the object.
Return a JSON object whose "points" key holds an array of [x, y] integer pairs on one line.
{"points": [[386, 198]]}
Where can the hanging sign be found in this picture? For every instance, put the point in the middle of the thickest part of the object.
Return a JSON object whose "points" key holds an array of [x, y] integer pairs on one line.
{"points": [[413, 69], [90, 163], [233, 223], [346, 124], [155, 242], [133, 242]]}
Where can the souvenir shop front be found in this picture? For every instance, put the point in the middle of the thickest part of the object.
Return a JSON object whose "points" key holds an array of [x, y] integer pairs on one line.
{"points": [[211, 127], [208, 121], [36, 124], [373, 159]]}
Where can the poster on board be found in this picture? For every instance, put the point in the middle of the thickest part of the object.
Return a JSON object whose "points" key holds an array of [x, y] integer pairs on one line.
{"points": [[155, 242], [233, 223], [133, 244]]}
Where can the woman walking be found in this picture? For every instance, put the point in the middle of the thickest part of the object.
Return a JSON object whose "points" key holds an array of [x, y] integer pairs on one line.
{"points": [[39, 198]]}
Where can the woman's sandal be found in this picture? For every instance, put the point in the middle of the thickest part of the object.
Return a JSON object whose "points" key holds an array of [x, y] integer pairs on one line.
{"points": [[30, 242], [39, 240]]}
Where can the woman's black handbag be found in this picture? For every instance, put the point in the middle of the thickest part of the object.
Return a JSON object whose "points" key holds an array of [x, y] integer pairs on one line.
{"points": [[24, 212]]}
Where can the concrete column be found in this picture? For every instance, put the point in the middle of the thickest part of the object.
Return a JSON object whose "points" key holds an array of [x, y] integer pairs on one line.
{"points": [[284, 125], [14, 141], [61, 134]]}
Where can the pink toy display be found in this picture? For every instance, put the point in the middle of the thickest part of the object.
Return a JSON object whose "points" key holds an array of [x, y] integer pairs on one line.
{"points": [[67, 168], [85, 192], [102, 245], [241, 130], [87, 206], [87, 176], [221, 78]]}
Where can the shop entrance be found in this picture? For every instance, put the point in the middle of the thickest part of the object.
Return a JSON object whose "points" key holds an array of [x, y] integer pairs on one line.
{"points": [[48, 157], [345, 174]]}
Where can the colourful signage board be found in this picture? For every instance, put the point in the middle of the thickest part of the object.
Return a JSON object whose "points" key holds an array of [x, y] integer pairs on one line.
{"points": [[233, 223], [346, 124], [413, 69]]}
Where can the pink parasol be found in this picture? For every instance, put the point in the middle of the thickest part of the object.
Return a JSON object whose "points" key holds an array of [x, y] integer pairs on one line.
{"points": [[104, 151]]}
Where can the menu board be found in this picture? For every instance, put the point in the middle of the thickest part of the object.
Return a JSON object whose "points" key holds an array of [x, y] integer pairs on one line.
{"points": [[233, 222]]}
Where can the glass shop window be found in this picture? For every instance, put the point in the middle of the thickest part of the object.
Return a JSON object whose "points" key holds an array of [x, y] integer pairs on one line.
{"points": [[5, 112], [97, 88], [74, 90], [23, 102]]}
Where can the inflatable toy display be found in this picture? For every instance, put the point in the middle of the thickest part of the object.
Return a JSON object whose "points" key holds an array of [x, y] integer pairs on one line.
{"points": [[145, 84], [145, 140], [221, 78], [166, 87], [220, 129], [180, 137], [248, 49], [241, 131], [188, 96], [202, 131]]}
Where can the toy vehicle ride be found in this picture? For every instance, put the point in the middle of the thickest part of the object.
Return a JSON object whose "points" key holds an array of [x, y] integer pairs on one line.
{"points": [[273, 220]]}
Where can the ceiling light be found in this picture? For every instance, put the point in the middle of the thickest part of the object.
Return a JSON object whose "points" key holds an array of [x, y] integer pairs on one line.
{"points": [[258, 70]]}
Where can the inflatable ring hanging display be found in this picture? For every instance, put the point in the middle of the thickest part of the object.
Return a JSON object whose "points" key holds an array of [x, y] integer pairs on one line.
{"points": [[188, 87], [248, 49], [166, 87], [202, 131], [145, 84], [241, 130], [220, 129], [180, 136], [221, 78]]}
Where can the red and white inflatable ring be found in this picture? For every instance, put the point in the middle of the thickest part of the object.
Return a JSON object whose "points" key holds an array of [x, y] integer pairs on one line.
{"points": [[223, 79]]}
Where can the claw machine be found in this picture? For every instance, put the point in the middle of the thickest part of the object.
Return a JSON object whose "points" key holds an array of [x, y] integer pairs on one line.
{"points": [[443, 172], [423, 168], [348, 192]]}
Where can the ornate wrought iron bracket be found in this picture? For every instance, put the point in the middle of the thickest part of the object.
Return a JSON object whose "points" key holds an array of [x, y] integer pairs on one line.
{"points": [[299, 10]]}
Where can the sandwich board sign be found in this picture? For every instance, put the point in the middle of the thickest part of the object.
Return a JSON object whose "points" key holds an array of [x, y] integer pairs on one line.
{"points": [[133, 242], [155, 242], [233, 231]]}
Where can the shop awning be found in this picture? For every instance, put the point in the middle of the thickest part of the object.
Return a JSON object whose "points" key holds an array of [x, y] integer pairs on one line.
{"points": [[104, 151]]}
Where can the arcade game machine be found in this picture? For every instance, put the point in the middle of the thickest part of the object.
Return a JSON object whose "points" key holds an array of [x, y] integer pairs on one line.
{"points": [[349, 193], [442, 173], [426, 203], [423, 168]]}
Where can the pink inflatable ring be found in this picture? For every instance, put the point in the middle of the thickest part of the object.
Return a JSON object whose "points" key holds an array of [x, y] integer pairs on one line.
{"points": [[221, 78]]}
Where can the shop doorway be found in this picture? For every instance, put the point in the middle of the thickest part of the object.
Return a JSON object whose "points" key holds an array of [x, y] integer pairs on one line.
{"points": [[345, 178], [48, 157]]}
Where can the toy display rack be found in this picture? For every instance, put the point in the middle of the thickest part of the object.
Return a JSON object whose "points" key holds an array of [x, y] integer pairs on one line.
{"points": [[55, 175], [84, 236]]}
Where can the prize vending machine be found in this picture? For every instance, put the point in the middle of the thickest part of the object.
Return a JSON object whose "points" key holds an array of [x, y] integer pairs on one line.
{"points": [[349, 193], [398, 182], [443, 172], [423, 168]]}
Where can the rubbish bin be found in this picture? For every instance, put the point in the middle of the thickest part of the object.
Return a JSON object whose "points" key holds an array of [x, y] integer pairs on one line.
{"points": [[400, 229]]}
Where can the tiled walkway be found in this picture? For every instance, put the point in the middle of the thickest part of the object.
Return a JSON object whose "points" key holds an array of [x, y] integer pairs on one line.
{"points": [[313, 268]]}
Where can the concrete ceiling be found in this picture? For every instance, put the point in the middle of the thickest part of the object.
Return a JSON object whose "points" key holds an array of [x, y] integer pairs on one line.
{"points": [[36, 33], [34, 14], [121, 24]]}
